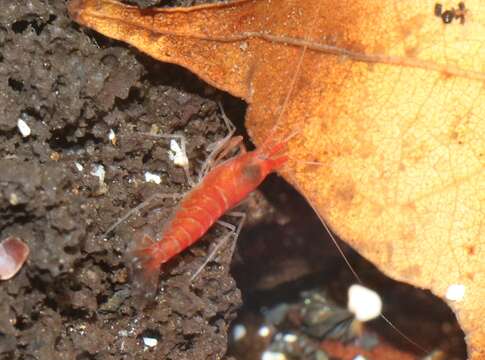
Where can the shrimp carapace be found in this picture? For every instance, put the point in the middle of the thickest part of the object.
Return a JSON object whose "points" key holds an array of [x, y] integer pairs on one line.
{"points": [[220, 190]]}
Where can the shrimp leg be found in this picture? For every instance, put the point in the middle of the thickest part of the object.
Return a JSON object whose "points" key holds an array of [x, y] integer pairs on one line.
{"points": [[233, 231], [222, 146], [242, 219], [137, 208]]}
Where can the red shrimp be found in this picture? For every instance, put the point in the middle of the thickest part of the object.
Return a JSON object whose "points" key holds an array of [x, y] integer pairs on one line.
{"points": [[219, 191]]}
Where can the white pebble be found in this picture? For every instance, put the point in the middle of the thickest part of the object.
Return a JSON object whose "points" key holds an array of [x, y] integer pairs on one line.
{"points": [[177, 155], [290, 338], [238, 332], [359, 357], [23, 128], [264, 331], [99, 172], [271, 355], [150, 342], [79, 167], [112, 136], [455, 292], [364, 303], [151, 177], [13, 199]]}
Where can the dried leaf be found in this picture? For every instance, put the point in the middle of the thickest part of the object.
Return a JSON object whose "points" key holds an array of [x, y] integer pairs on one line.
{"points": [[390, 99]]}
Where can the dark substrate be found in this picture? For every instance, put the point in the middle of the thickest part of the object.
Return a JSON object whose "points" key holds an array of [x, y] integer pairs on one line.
{"points": [[74, 298]]}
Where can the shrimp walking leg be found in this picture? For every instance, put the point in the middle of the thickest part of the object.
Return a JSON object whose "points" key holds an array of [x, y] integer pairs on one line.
{"points": [[137, 208], [235, 142], [242, 217], [219, 146], [234, 230]]}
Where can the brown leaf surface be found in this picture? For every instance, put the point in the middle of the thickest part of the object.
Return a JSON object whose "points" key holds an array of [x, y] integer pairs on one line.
{"points": [[389, 98]]}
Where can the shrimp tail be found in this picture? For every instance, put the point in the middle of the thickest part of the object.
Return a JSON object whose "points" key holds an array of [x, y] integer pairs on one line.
{"points": [[144, 267]]}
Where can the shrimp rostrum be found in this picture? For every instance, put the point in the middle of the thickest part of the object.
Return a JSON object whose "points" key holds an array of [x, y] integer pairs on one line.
{"points": [[225, 185]]}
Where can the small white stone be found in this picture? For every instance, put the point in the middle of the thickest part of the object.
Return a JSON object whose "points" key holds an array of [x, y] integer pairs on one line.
{"points": [[359, 357], [112, 136], [23, 127], [13, 199], [272, 355], [455, 292], [150, 342], [290, 338], [177, 155], [151, 177], [238, 332], [364, 303], [99, 172], [264, 331], [79, 167]]}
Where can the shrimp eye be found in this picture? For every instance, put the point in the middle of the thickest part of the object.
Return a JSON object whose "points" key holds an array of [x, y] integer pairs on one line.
{"points": [[252, 172]]}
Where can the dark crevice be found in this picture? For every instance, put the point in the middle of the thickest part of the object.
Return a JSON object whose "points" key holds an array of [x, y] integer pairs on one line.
{"points": [[37, 24], [71, 250], [85, 356], [417, 313], [134, 96], [188, 343], [20, 26], [65, 139], [30, 111], [15, 84]]}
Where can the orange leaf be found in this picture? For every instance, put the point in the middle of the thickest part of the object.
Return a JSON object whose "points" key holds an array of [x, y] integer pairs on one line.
{"points": [[390, 99]]}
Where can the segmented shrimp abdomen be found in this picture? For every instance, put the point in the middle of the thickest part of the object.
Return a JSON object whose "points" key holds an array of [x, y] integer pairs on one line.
{"points": [[195, 215]]}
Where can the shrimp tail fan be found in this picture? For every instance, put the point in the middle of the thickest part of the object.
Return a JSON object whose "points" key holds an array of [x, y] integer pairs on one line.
{"points": [[144, 267]]}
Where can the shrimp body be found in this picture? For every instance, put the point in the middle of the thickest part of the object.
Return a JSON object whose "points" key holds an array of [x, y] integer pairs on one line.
{"points": [[220, 190]]}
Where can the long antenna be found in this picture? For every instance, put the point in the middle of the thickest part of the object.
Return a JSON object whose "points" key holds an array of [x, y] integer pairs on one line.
{"points": [[296, 74], [359, 280], [284, 106]]}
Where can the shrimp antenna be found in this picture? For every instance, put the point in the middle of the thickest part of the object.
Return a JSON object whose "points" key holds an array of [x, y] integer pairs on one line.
{"points": [[284, 106], [359, 280], [296, 74], [292, 135]]}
